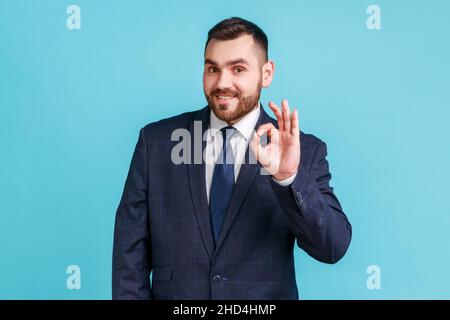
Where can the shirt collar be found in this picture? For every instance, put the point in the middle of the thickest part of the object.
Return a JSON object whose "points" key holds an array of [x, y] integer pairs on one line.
{"points": [[244, 126]]}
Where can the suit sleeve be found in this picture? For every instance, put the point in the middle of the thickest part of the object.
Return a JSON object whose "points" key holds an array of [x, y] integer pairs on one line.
{"points": [[132, 256], [314, 213]]}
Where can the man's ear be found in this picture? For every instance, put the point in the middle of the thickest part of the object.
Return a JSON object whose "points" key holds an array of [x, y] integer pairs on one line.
{"points": [[268, 69]]}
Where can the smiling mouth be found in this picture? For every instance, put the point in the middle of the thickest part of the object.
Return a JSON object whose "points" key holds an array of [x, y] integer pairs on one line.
{"points": [[224, 97]]}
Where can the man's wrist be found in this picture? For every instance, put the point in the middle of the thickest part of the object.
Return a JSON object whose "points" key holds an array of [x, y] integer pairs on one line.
{"points": [[286, 181]]}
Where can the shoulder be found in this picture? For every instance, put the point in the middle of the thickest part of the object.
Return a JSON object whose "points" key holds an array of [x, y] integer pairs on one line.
{"points": [[310, 141], [313, 149]]}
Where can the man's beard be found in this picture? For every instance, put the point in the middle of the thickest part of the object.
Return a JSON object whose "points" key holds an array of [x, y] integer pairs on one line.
{"points": [[245, 104]]}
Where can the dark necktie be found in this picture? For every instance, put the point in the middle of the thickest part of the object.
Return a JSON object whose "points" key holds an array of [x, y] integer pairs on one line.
{"points": [[222, 182]]}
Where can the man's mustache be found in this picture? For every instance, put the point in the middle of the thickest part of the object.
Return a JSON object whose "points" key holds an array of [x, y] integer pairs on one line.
{"points": [[225, 93]]}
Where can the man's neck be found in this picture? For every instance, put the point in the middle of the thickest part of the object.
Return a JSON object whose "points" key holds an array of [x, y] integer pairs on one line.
{"points": [[230, 123]]}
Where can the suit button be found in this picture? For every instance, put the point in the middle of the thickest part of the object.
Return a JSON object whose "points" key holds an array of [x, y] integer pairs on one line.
{"points": [[217, 277]]}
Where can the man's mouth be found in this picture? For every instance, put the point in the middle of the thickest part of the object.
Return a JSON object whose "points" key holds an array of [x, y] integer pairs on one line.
{"points": [[224, 98]]}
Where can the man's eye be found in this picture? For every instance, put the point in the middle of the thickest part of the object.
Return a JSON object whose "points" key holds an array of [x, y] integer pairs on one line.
{"points": [[212, 69], [239, 69]]}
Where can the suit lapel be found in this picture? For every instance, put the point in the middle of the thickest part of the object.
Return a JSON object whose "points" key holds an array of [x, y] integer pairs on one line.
{"points": [[196, 174]]}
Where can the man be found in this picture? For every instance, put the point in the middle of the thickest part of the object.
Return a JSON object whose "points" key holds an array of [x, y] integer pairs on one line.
{"points": [[225, 227]]}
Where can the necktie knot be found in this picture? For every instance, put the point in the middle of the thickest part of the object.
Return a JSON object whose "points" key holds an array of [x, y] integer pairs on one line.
{"points": [[227, 132], [227, 153]]}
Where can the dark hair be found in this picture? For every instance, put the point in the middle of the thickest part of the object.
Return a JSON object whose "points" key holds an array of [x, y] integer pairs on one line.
{"points": [[234, 27]]}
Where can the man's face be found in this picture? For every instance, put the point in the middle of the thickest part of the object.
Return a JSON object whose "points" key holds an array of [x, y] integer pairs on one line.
{"points": [[232, 77]]}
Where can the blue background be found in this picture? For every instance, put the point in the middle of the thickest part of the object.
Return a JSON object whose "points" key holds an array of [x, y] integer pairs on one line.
{"points": [[72, 103]]}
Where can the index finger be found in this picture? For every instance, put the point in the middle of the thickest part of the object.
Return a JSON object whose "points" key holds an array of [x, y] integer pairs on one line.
{"points": [[278, 115]]}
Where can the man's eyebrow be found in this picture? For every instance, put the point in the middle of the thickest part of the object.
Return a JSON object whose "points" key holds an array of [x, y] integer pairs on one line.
{"points": [[228, 63]]}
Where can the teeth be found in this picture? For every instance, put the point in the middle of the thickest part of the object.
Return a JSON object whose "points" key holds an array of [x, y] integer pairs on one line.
{"points": [[225, 97]]}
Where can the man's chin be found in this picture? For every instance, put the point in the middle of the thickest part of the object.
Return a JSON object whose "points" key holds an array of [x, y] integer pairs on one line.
{"points": [[224, 113]]}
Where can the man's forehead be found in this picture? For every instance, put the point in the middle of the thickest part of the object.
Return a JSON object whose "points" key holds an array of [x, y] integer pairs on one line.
{"points": [[229, 62], [242, 49]]}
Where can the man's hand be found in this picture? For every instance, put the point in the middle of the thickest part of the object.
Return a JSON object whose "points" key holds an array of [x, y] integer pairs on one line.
{"points": [[281, 157]]}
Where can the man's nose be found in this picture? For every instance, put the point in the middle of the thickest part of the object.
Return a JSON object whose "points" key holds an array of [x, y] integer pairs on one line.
{"points": [[225, 80]]}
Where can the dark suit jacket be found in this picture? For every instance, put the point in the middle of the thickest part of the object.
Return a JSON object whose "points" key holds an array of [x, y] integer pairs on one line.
{"points": [[163, 223]]}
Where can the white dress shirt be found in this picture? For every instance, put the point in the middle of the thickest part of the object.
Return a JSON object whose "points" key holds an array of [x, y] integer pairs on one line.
{"points": [[239, 143]]}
